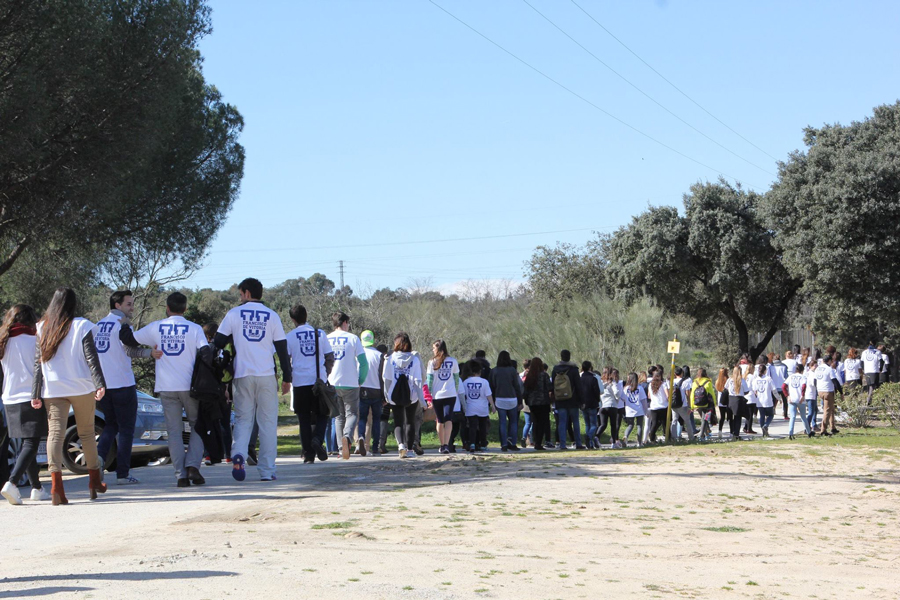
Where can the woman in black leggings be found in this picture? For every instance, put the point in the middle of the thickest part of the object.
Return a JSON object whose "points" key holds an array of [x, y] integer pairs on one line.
{"points": [[737, 389], [17, 352], [722, 399]]}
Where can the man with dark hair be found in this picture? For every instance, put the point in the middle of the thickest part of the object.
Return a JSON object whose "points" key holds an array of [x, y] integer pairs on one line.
{"points": [[311, 359], [567, 397], [119, 404], [181, 343], [257, 334], [481, 358], [350, 370]]}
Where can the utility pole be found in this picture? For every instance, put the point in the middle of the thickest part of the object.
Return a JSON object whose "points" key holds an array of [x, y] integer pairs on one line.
{"points": [[341, 266]]}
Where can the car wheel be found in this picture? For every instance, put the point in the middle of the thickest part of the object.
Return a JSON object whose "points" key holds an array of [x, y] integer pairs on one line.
{"points": [[73, 455]]}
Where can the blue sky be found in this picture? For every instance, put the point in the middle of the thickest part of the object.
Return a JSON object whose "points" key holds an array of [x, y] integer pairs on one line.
{"points": [[371, 123]]}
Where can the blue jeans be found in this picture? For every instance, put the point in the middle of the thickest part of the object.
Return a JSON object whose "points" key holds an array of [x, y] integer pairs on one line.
{"points": [[366, 405], [590, 424], [509, 424], [813, 406], [526, 430], [793, 409], [119, 408], [766, 415], [565, 416], [330, 439]]}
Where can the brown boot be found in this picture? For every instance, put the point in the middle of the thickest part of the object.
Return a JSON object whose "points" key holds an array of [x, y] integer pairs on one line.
{"points": [[57, 493], [95, 485]]}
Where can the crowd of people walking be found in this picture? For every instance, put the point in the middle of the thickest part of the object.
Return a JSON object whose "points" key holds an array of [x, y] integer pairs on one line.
{"points": [[350, 394]]}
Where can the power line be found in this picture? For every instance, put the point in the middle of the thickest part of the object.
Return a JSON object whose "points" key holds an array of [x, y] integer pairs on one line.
{"points": [[648, 96], [585, 100], [467, 239], [591, 17]]}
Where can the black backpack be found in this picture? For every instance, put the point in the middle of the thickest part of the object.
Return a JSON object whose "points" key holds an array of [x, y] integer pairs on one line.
{"points": [[205, 383], [400, 394], [677, 400], [701, 398]]}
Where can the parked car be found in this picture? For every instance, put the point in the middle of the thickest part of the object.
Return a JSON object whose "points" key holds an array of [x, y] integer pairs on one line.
{"points": [[151, 441]]}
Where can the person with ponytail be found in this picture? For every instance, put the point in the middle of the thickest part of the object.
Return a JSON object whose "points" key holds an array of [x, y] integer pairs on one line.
{"points": [[737, 390], [25, 422], [67, 373], [442, 378]]}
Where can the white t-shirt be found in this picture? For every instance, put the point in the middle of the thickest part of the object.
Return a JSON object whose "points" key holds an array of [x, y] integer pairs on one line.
{"points": [[443, 385], [791, 364], [476, 390], [179, 340], [778, 373], [751, 393], [18, 369], [851, 369], [67, 373], [742, 391], [810, 385], [115, 363], [841, 376], [373, 377], [301, 347], [764, 389], [634, 402], [660, 399], [824, 376], [871, 359], [795, 383], [886, 363], [346, 347], [255, 329]]}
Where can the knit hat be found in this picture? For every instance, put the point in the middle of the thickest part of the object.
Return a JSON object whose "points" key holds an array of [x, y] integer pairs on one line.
{"points": [[368, 338]]}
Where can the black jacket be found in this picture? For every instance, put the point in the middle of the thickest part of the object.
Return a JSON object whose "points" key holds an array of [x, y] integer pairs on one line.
{"points": [[506, 383], [539, 394], [590, 391], [569, 370]]}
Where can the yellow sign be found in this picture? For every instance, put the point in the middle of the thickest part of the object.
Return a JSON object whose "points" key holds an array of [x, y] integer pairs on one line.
{"points": [[674, 347]]}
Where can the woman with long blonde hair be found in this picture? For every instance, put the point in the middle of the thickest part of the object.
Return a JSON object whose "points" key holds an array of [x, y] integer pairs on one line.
{"points": [[737, 389], [722, 398]]}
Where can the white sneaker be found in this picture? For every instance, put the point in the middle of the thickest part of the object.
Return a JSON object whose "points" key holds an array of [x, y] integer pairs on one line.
{"points": [[41, 495], [11, 493], [403, 452], [127, 480]]}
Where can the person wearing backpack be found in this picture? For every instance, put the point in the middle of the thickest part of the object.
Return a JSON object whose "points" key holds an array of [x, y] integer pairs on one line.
{"points": [[681, 403], [403, 391], [567, 397], [701, 400]]}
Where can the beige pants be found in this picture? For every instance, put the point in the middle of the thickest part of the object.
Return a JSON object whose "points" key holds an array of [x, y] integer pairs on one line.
{"points": [[58, 416], [827, 411]]}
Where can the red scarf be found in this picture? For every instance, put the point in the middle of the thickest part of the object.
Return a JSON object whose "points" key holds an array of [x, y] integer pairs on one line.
{"points": [[20, 329]]}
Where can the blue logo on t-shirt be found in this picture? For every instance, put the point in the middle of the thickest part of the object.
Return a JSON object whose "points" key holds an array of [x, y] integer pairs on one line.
{"points": [[446, 370], [104, 331], [254, 324], [473, 391], [307, 340], [339, 345], [171, 338]]}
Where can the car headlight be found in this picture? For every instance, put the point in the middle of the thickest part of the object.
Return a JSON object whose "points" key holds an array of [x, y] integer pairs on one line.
{"points": [[154, 408]]}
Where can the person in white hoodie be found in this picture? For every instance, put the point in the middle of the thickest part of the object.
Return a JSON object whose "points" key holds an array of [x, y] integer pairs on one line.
{"points": [[17, 350], [403, 390]]}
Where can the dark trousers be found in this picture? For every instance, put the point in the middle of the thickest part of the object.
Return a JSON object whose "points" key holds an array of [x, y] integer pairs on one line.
{"points": [[119, 408], [738, 407], [4, 448], [405, 419], [609, 416], [725, 416], [26, 463], [541, 431], [312, 424], [657, 420], [478, 430]]}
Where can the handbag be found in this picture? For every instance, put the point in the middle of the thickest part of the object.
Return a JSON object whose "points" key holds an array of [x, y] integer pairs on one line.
{"points": [[324, 391]]}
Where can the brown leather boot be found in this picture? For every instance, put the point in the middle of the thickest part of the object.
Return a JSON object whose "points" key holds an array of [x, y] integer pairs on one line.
{"points": [[57, 493], [95, 486]]}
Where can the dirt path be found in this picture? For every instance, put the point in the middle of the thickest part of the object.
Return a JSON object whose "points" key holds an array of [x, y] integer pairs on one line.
{"points": [[707, 521]]}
